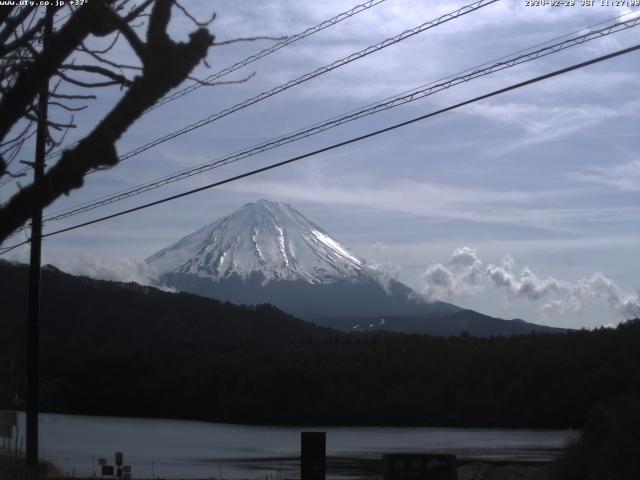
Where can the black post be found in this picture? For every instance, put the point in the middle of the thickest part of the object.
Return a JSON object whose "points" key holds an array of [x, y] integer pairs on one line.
{"points": [[33, 309], [313, 456]]}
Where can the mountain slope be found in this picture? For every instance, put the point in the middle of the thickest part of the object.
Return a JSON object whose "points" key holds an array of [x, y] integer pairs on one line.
{"points": [[266, 237], [267, 252], [342, 297], [449, 324], [80, 313]]}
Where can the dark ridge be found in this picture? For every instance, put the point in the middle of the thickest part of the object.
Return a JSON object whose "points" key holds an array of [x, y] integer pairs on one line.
{"points": [[80, 313], [353, 297], [443, 325]]}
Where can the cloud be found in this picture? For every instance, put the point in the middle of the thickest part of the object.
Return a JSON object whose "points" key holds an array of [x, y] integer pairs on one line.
{"points": [[463, 275], [93, 266], [544, 123], [121, 270], [431, 199], [527, 285], [600, 287], [17, 255], [384, 272], [457, 277], [443, 161], [574, 297], [623, 176]]}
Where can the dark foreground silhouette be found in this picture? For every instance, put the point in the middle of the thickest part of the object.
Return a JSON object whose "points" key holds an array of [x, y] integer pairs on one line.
{"points": [[609, 446], [190, 357], [194, 358]]}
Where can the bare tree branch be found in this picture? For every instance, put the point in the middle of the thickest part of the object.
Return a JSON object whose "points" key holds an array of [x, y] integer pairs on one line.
{"points": [[57, 143], [72, 97], [23, 39], [247, 39], [137, 11], [204, 83], [50, 123], [12, 23], [5, 13], [165, 65], [67, 107], [105, 72], [98, 56], [61, 45], [132, 37], [18, 136], [83, 84], [157, 36], [106, 49], [197, 23]]}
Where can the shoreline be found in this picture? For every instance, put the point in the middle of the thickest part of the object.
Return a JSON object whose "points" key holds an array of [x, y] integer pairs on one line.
{"points": [[250, 452], [338, 468], [313, 426]]}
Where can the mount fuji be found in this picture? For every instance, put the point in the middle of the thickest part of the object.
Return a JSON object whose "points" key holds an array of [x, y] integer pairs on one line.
{"points": [[268, 252], [266, 239]]}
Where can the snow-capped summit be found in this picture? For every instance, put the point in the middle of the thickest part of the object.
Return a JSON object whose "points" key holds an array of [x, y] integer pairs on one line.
{"points": [[268, 252], [267, 239]]}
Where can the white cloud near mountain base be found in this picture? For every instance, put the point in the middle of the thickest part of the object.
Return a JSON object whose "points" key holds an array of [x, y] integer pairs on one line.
{"points": [[459, 276], [121, 270], [464, 274]]}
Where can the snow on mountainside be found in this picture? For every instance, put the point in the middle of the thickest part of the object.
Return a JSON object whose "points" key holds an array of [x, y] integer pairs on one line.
{"points": [[268, 238], [267, 252]]}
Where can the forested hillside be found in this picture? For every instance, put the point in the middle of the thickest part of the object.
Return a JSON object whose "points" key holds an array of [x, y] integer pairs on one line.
{"points": [[191, 357], [539, 380], [83, 314]]}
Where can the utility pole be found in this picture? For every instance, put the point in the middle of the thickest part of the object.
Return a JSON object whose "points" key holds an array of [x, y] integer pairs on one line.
{"points": [[33, 308]]}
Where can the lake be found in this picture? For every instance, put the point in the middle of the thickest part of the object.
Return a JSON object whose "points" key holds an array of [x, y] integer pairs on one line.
{"points": [[189, 449]]}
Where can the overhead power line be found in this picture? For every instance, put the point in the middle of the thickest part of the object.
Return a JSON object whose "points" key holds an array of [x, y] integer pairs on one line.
{"points": [[10, 178], [252, 58], [268, 51], [340, 144], [392, 102], [472, 7]]}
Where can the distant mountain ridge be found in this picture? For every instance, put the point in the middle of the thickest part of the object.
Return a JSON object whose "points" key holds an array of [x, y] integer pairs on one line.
{"points": [[268, 252], [462, 321], [313, 302], [80, 313]]}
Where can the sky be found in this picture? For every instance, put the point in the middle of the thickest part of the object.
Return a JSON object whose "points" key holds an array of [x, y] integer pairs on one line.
{"points": [[524, 205]]}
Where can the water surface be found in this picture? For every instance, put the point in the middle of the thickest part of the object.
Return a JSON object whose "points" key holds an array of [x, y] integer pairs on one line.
{"points": [[189, 449]]}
